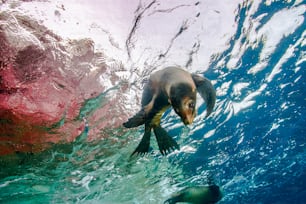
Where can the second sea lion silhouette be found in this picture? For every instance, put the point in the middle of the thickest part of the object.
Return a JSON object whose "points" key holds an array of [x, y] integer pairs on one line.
{"points": [[197, 195], [174, 87]]}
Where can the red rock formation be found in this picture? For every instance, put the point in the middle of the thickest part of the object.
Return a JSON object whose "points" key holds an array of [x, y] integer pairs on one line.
{"points": [[44, 82]]}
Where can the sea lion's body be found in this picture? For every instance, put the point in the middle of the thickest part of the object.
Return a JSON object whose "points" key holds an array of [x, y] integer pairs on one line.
{"points": [[157, 93], [174, 87], [197, 195]]}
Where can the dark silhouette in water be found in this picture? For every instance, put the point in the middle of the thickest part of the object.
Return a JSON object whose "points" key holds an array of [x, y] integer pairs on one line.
{"points": [[197, 195]]}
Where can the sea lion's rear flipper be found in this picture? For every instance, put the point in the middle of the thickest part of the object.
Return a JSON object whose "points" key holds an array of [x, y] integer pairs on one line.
{"points": [[136, 120], [144, 144], [165, 142], [206, 90]]}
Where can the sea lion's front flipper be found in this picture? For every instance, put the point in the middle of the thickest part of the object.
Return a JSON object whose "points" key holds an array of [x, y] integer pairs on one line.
{"points": [[136, 120], [165, 142], [179, 197], [144, 144], [206, 90], [141, 117]]}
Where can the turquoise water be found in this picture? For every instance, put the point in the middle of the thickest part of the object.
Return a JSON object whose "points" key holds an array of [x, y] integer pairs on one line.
{"points": [[83, 172], [253, 145]]}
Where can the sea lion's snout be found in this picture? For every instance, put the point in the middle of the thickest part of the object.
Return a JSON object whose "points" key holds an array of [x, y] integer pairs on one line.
{"points": [[188, 111], [188, 119]]}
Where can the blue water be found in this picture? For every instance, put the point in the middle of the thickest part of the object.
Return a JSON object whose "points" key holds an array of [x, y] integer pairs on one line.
{"points": [[256, 151]]}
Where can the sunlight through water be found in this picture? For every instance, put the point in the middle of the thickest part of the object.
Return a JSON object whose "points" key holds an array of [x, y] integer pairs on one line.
{"points": [[73, 71]]}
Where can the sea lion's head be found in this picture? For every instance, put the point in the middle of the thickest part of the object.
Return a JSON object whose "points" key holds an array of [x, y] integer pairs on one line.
{"points": [[183, 100]]}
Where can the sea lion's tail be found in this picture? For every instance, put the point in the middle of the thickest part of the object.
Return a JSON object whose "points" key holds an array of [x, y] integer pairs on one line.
{"points": [[165, 142], [144, 144]]}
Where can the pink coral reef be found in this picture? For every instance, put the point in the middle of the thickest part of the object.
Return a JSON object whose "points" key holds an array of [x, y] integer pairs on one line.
{"points": [[45, 81]]}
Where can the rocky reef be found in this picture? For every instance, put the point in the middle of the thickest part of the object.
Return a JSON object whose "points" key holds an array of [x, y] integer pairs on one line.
{"points": [[48, 85]]}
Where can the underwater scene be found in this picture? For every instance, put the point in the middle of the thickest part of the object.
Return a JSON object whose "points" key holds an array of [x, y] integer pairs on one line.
{"points": [[93, 110]]}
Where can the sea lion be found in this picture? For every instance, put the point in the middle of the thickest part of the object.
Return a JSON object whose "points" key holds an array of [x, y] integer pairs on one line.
{"points": [[197, 195], [174, 87]]}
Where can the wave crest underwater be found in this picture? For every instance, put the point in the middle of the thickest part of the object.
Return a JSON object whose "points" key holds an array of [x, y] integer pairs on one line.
{"points": [[253, 144]]}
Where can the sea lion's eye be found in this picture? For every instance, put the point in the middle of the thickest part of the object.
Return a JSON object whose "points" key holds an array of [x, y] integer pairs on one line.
{"points": [[191, 105]]}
